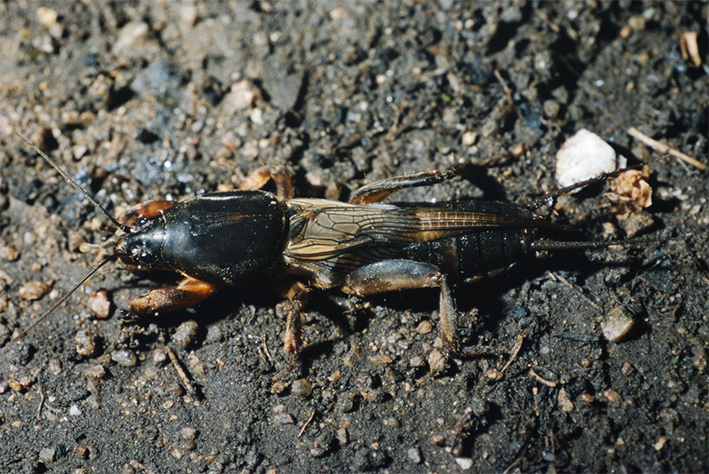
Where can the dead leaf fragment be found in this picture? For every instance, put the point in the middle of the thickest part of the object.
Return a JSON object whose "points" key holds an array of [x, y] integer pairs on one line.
{"points": [[630, 192]]}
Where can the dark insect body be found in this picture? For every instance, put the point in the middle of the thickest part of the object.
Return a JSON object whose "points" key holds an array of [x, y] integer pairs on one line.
{"points": [[361, 247]]}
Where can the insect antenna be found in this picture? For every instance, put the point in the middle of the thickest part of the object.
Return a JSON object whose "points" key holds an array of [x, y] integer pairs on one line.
{"points": [[74, 184], [112, 220], [548, 198], [91, 273]]}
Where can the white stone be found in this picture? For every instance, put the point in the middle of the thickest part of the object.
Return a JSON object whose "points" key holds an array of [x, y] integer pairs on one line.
{"points": [[585, 156]]}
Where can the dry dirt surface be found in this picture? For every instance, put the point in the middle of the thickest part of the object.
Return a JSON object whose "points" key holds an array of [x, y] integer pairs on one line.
{"points": [[150, 100]]}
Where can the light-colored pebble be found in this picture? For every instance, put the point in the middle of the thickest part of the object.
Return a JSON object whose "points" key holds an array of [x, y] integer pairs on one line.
{"points": [[47, 17], [617, 324], [131, 34], [584, 156], [124, 357], [85, 342], [34, 290], [185, 334], [100, 304], [302, 387]]}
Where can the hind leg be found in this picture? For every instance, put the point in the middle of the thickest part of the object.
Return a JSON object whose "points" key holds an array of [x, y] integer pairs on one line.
{"points": [[392, 275]]}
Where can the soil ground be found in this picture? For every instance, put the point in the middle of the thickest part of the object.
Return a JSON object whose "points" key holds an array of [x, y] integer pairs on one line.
{"points": [[146, 100]]}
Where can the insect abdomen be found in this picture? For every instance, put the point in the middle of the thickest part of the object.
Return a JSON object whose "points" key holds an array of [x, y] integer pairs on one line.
{"points": [[484, 251]]}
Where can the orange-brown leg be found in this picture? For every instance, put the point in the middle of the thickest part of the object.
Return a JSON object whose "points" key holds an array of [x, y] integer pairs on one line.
{"points": [[258, 178], [187, 293], [145, 210]]}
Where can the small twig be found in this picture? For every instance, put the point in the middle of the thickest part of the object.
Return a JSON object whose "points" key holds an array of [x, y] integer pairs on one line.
{"points": [[566, 282], [502, 82], [555, 28], [663, 148], [41, 402], [515, 351], [310, 419], [540, 379], [180, 371], [264, 347]]}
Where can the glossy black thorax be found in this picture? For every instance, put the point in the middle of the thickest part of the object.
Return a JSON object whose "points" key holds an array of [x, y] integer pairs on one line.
{"points": [[222, 238]]}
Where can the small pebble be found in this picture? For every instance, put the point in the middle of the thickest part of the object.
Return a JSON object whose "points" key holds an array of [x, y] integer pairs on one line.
{"points": [[617, 324], [46, 17], [82, 451], [160, 357], [188, 433], [34, 290], [414, 455], [346, 403], [611, 395], [100, 304], [302, 387], [15, 385], [469, 138], [85, 342], [79, 151], [320, 446], [278, 387], [8, 253], [424, 327], [240, 97], [436, 361], [74, 410], [283, 419], [564, 403], [518, 150], [380, 359], [95, 372], [584, 156], [551, 108], [130, 35], [188, 16], [417, 361], [174, 388], [586, 398], [124, 357], [343, 437], [55, 366], [47, 455], [464, 463], [185, 334], [335, 376]]}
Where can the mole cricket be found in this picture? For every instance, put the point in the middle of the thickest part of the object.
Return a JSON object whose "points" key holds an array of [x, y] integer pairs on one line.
{"points": [[362, 247]]}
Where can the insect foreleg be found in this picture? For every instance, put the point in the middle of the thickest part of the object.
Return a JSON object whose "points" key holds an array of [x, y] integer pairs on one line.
{"points": [[186, 294]]}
